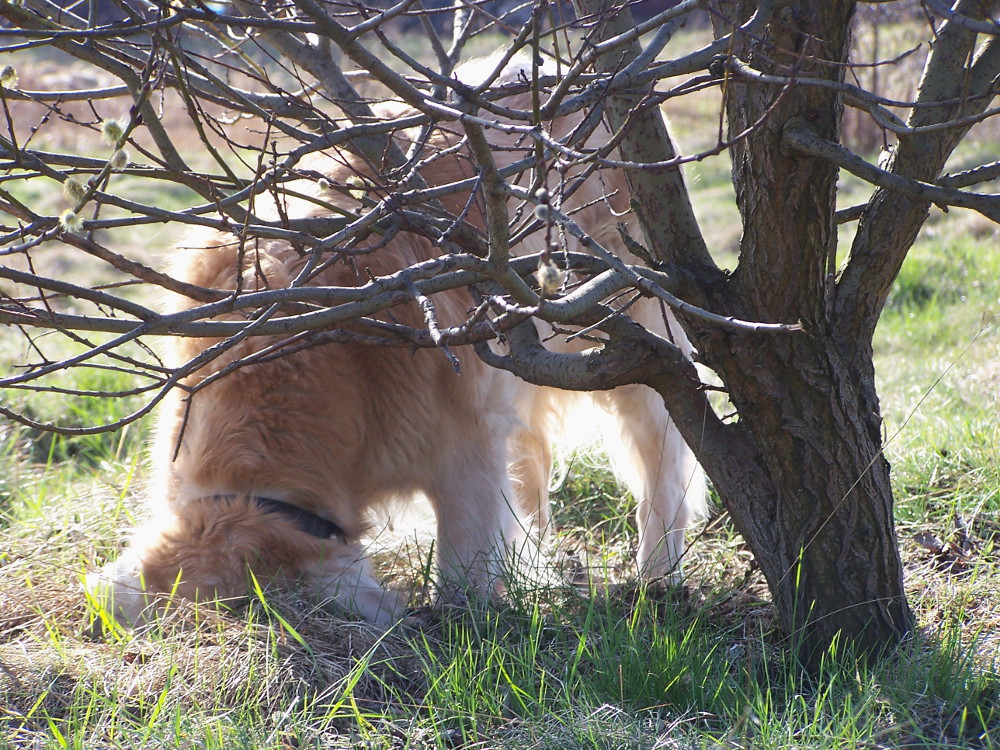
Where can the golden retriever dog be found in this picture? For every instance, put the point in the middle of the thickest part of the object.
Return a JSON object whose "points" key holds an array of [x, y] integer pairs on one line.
{"points": [[275, 467]]}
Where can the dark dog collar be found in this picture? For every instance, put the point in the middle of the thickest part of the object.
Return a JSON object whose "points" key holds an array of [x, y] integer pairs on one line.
{"points": [[308, 523]]}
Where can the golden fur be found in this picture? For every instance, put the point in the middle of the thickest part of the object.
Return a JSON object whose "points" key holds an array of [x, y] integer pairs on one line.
{"points": [[342, 428]]}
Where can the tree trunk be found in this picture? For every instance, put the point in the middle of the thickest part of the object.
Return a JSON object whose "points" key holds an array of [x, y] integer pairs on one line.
{"points": [[812, 495], [802, 471], [818, 509]]}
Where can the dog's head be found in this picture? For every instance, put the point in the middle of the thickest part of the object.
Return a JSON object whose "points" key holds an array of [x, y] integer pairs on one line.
{"points": [[211, 551], [136, 588]]}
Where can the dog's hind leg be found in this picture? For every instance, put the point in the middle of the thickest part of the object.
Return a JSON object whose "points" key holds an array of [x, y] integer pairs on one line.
{"points": [[531, 458], [649, 455]]}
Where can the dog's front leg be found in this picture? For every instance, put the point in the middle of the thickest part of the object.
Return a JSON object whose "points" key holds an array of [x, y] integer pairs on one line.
{"points": [[479, 529]]}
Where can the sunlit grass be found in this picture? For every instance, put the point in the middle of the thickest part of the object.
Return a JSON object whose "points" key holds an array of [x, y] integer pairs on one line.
{"points": [[603, 663]]}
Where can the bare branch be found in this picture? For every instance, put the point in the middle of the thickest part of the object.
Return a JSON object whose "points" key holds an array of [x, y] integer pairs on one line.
{"points": [[661, 199], [803, 138], [641, 279], [959, 18], [236, 120], [949, 89]]}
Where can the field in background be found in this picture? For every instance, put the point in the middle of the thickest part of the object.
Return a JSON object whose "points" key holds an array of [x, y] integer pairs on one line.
{"points": [[573, 667]]}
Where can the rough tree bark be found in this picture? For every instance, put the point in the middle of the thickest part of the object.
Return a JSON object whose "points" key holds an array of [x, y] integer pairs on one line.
{"points": [[802, 472], [821, 525]]}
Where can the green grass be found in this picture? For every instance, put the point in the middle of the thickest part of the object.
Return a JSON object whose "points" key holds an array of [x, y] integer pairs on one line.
{"points": [[583, 672], [570, 668], [939, 349], [573, 667]]}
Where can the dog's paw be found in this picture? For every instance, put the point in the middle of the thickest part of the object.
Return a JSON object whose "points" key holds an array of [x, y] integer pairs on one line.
{"points": [[116, 591]]}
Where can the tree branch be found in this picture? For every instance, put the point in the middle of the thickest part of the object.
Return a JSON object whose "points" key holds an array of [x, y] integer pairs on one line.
{"points": [[890, 222], [803, 138], [662, 203]]}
